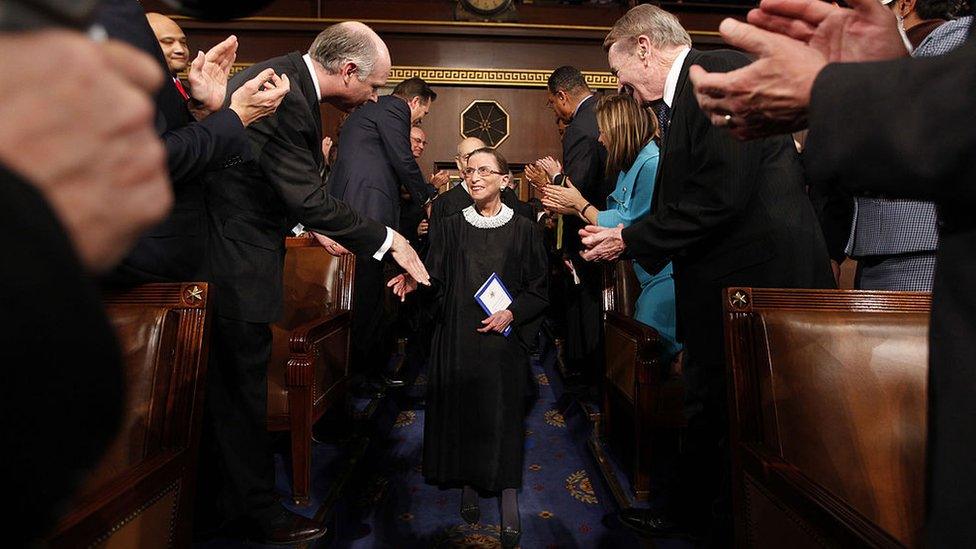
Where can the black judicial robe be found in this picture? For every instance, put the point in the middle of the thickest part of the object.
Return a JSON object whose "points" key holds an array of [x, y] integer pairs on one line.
{"points": [[473, 432]]}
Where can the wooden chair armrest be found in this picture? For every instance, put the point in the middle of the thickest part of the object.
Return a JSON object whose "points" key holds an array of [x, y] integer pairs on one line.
{"points": [[303, 337], [649, 365]]}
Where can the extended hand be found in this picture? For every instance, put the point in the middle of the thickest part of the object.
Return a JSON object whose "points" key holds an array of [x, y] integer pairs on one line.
{"points": [[497, 322], [334, 248], [602, 244], [208, 76], [407, 258], [402, 285], [260, 96]]}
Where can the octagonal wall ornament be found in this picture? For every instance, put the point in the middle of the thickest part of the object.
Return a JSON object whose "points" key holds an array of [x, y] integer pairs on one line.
{"points": [[486, 120]]}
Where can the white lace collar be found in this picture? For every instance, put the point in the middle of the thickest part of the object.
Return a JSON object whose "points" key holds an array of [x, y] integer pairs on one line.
{"points": [[477, 220]]}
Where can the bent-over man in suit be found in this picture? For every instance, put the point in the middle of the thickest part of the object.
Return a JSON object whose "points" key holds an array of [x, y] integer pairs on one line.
{"points": [[251, 207], [727, 214], [375, 159]]}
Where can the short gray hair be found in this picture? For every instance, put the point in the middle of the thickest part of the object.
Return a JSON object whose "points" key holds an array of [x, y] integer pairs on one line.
{"points": [[661, 27], [346, 42]]}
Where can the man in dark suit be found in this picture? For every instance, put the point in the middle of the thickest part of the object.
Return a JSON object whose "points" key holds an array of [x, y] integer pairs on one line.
{"points": [[207, 138], [375, 159], [251, 207], [457, 198], [911, 123], [585, 161], [726, 214]]}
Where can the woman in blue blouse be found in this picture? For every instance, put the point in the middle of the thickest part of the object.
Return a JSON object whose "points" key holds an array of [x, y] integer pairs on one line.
{"points": [[627, 131]]}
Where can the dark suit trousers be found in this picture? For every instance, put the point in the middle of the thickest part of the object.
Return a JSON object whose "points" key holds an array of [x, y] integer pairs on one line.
{"points": [[372, 337], [237, 468]]}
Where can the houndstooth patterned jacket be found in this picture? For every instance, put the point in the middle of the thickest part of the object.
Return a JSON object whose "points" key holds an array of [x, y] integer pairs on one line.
{"points": [[888, 227]]}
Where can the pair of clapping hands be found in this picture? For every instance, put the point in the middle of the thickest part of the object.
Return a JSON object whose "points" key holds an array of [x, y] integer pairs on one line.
{"points": [[562, 198]]}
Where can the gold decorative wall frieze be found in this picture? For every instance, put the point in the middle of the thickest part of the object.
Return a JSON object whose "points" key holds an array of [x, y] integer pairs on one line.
{"points": [[517, 78]]}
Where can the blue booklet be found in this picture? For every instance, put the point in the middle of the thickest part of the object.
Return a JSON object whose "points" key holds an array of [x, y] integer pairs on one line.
{"points": [[493, 296]]}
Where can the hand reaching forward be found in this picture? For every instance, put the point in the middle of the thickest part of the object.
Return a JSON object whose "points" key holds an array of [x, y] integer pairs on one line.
{"points": [[407, 258], [497, 322], [260, 96], [602, 244], [334, 248], [402, 285], [208, 76]]}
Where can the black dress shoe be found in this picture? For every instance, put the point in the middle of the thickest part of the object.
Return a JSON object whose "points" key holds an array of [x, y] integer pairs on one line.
{"points": [[510, 537], [287, 528], [651, 524]]}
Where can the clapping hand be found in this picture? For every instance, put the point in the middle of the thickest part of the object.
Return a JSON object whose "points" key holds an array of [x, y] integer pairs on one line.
{"points": [[208, 76], [564, 200], [602, 244], [260, 96], [497, 322], [402, 285], [551, 166], [536, 176], [326, 148], [772, 94], [440, 179]]}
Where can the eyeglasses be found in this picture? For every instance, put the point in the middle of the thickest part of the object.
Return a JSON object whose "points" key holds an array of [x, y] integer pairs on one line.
{"points": [[483, 171]]}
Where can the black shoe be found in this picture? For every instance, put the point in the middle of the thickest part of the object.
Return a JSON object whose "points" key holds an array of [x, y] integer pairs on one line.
{"points": [[287, 528], [393, 383], [652, 524], [510, 537]]}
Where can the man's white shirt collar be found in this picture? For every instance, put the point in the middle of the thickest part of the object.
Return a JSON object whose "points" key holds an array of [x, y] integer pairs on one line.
{"points": [[580, 104], [671, 82], [315, 79]]}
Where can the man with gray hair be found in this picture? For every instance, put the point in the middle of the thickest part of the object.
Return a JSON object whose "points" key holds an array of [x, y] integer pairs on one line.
{"points": [[252, 206], [725, 213]]}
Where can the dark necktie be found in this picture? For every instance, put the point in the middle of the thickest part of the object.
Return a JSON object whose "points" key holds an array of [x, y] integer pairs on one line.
{"points": [[663, 112]]}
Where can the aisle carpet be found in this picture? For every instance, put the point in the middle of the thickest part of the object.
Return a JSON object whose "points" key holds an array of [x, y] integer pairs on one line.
{"points": [[387, 504]]}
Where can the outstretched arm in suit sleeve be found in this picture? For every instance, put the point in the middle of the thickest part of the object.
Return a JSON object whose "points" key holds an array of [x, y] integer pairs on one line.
{"points": [[901, 127], [292, 170], [216, 141], [394, 132], [714, 193]]}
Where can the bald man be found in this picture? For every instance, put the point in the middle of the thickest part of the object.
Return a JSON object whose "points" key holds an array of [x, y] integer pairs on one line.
{"points": [[173, 41], [251, 206]]}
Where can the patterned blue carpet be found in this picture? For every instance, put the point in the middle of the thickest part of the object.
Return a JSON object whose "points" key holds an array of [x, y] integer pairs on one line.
{"points": [[386, 503]]}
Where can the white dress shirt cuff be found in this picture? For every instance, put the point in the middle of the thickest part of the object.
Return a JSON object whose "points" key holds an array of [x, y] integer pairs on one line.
{"points": [[387, 244]]}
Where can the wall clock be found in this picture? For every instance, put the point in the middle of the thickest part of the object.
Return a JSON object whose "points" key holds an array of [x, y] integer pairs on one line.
{"points": [[485, 10], [486, 120]]}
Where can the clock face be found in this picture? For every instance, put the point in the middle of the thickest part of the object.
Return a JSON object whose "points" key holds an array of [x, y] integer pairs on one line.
{"points": [[485, 7]]}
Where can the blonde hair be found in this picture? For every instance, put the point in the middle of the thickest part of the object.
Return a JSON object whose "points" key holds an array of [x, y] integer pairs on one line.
{"points": [[626, 129], [662, 28]]}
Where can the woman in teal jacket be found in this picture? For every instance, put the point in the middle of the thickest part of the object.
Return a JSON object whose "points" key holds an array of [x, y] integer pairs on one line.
{"points": [[627, 131]]}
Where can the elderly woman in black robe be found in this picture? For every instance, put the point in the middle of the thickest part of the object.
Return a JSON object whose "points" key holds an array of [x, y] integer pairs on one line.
{"points": [[473, 430]]}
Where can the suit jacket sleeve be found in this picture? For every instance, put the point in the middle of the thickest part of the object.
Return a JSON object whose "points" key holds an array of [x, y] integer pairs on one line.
{"points": [[901, 127], [285, 157], [217, 141], [394, 133], [581, 163], [713, 193]]}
